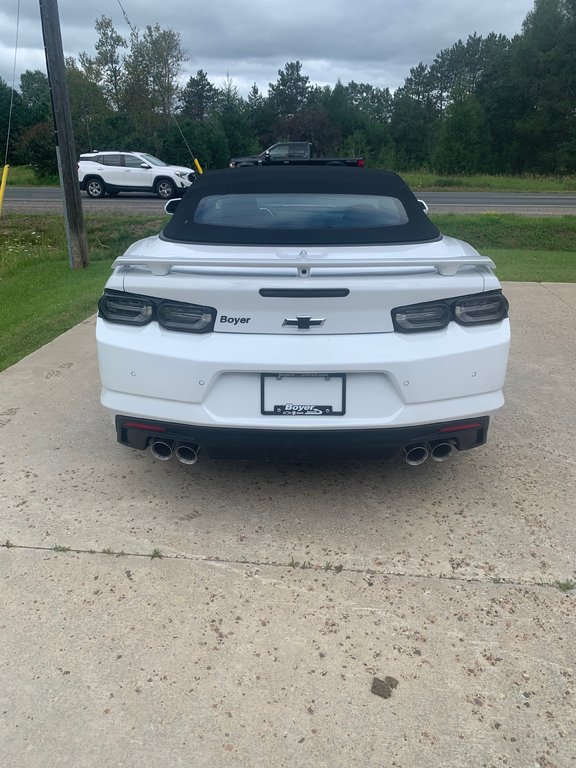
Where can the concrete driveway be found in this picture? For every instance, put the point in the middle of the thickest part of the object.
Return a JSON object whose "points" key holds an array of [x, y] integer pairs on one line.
{"points": [[283, 591]]}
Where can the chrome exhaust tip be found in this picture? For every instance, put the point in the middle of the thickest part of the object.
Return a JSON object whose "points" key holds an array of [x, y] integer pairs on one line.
{"points": [[161, 449], [442, 450], [187, 453], [415, 454]]}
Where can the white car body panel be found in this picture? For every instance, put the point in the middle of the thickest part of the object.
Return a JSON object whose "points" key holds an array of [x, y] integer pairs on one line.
{"points": [[390, 380], [215, 380], [132, 177]]}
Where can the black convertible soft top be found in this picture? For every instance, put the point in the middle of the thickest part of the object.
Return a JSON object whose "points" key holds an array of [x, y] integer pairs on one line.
{"points": [[282, 182]]}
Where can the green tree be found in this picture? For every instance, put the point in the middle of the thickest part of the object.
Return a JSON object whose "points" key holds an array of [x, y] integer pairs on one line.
{"points": [[290, 93], [373, 142], [497, 93], [545, 77], [375, 104], [150, 86], [35, 92], [207, 141], [198, 97], [315, 125], [37, 147], [107, 67], [261, 117], [232, 117], [412, 127], [157, 56], [88, 107], [459, 70], [18, 123], [463, 142]]}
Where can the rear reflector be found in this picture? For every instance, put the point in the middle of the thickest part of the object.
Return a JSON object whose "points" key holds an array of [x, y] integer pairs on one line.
{"points": [[461, 427], [139, 425]]}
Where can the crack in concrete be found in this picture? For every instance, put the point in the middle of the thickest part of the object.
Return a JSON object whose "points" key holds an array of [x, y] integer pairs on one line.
{"points": [[556, 296], [567, 586]]}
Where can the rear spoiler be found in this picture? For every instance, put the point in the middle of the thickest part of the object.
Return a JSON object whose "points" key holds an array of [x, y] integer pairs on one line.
{"points": [[303, 264]]}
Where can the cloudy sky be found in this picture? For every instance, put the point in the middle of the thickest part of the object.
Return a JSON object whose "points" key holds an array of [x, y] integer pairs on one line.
{"points": [[371, 41]]}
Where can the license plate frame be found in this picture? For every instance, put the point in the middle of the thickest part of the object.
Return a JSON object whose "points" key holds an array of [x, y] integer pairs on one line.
{"points": [[298, 400]]}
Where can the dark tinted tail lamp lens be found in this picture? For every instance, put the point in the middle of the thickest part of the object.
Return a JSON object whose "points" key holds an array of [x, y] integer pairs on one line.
{"points": [[186, 317], [421, 317], [127, 309], [477, 310], [132, 309]]}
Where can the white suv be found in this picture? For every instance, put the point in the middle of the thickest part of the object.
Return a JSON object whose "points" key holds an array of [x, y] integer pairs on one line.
{"points": [[101, 173], [297, 313]]}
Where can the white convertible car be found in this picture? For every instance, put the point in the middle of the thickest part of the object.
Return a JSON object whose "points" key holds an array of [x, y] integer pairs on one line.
{"points": [[298, 314]]}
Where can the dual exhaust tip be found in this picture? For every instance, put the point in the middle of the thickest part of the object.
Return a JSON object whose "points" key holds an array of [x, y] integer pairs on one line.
{"points": [[163, 450], [439, 450], [187, 453]]}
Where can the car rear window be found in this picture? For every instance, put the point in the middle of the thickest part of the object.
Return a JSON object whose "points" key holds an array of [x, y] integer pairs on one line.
{"points": [[296, 205], [300, 211]]}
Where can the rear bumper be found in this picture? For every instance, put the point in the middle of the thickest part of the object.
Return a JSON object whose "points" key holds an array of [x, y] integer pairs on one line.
{"points": [[301, 445], [207, 390], [214, 380]]}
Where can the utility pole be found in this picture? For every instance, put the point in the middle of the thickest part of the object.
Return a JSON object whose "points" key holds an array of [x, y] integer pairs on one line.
{"points": [[65, 147]]}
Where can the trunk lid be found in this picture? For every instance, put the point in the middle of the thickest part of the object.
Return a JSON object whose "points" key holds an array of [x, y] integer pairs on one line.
{"points": [[314, 291]]}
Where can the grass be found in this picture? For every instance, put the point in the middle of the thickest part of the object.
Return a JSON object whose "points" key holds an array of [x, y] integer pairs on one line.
{"points": [[533, 266], [484, 183], [524, 249], [506, 230], [40, 297], [24, 176]]}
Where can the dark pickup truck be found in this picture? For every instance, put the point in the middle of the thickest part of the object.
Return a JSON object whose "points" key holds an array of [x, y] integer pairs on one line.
{"points": [[293, 153]]}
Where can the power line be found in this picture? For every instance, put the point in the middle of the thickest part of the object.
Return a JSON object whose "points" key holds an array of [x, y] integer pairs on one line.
{"points": [[13, 85], [172, 115], [126, 19]]}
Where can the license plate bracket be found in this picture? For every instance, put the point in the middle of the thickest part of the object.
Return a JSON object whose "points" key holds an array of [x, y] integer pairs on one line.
{"points": [[303, 394]]}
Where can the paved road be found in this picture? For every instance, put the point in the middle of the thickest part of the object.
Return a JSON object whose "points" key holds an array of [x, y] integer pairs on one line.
{"points": [[49, 199], [529, 204], [283, 590]]}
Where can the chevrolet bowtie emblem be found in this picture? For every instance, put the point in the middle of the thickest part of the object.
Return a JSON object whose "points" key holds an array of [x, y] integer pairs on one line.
{"points": [[304, 322]]}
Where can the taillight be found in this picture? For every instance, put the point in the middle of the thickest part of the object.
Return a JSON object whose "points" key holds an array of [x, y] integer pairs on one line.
{"points": [[422, 317], [185, 317], [478, 309], [475, 310], [130, 309]]}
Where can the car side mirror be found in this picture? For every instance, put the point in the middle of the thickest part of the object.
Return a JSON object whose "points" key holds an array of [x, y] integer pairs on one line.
{"points": [[424, 206], [171, 205], [145, 165], [267, 154]]}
